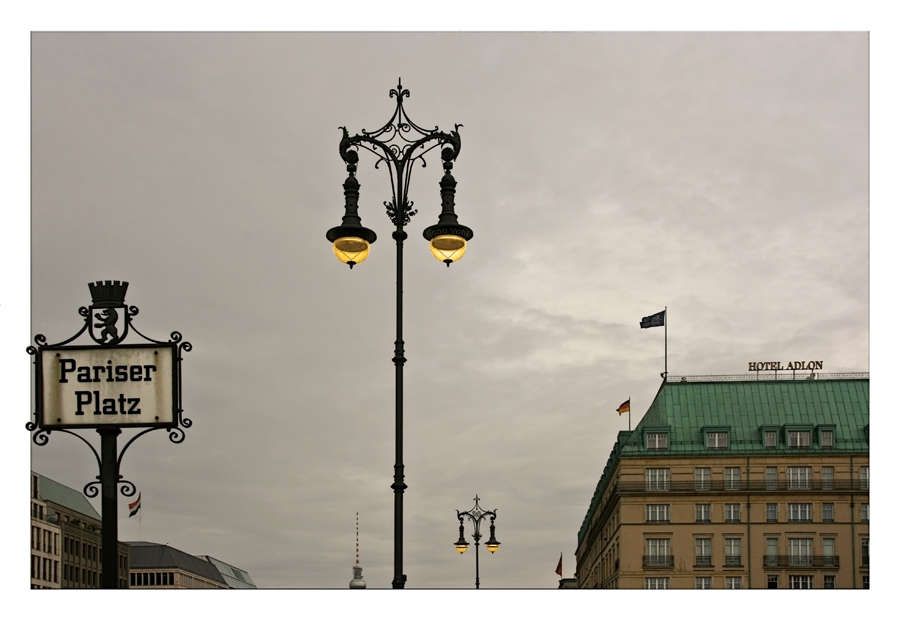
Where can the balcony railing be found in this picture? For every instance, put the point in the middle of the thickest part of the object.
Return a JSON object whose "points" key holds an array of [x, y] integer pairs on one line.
{"points": [[733, 560], [731, 486], [703, 561], [783, 375], [792, 561], [659, 561]]}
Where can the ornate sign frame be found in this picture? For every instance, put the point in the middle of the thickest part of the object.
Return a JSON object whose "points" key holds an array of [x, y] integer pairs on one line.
{"points": [[110, 413]]}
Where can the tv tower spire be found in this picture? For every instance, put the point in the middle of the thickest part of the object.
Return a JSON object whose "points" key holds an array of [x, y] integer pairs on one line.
{"points": [[357, 583]]}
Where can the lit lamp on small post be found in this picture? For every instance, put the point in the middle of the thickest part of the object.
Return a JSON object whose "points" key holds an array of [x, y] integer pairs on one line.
{"points": [[476, 515], [399, 144]]}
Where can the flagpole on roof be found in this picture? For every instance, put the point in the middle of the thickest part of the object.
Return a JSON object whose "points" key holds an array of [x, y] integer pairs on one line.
{"points": [[666, 345], [629, 413]]}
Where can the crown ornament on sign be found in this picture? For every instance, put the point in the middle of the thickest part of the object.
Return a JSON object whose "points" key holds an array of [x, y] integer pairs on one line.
{"points": [[108, 293]]}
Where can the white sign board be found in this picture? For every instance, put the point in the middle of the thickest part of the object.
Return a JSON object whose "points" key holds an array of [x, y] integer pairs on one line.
{"points": [[127, 385]]}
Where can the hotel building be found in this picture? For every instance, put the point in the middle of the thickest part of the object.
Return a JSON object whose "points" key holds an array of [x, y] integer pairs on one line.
{"points": [[756, 481]]}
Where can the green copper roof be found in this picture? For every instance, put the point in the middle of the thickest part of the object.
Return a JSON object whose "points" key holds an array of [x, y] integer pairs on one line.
{"points": [[52, 491], [744, 409]]}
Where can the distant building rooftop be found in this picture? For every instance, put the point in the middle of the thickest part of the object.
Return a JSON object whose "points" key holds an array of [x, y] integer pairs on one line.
{"points": [[235, 577], [148, 555], [53, 491]]}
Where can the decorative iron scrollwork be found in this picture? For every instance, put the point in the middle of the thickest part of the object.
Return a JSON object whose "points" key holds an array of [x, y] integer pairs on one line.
{"points": [[399, 143], [92, 489], [127, 487], [114, 323]]}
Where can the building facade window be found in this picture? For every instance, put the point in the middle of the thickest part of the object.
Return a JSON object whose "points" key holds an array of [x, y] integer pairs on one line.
{"points": [[828, 513], [798, 439], [799, 513], [826, 439], [732, 513], [656, 583], [771, 439], [772, 582], [864, 477], [703, 552], [828, 551], [657, 441], [658, 552], [703, 583], [864, 512], [828, 582], [771, 552], [865, 582], [716, 441], [657, 513], [771, 478], [732, 552], [800, 582], [703, 513], [800, 551], [702, 477], [772, 513], [865, 551], [733, 583], [657, 478], [732, 478], [827, 478], [799, 478]]}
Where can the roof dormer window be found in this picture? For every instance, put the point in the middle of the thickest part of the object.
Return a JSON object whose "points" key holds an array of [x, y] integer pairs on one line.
{"points": [[657, 441], [716, 440], [798, 439]]}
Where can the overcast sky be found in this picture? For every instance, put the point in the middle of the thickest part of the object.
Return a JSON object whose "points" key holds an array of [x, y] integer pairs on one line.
{"points": [[605, 176]]}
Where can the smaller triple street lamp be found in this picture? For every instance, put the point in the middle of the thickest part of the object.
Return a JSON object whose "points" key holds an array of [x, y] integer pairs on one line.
{"points": [[476, 516]]}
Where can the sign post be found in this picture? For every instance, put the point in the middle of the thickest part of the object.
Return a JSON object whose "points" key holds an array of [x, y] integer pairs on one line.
{"points": [[108, 386]]}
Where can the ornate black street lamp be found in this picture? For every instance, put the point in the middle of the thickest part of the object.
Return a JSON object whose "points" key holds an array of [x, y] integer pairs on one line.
{"points": [[399, 144], [476, 516]]}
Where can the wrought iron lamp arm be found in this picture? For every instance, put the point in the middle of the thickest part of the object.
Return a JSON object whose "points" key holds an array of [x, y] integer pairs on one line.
{"points": [[399, 160], [476, 518]]}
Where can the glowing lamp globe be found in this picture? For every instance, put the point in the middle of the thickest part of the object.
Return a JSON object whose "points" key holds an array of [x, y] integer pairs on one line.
{"points": [[448, 241], [351, 243], [448, 248], [351, 250]]}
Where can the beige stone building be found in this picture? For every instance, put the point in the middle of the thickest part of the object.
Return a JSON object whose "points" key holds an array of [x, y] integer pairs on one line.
{"points": [[66, 538], [736, 483], [45, 542]]}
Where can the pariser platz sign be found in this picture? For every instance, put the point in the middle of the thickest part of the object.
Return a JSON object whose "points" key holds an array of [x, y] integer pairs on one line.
{"points": [[108, 386], [90, 386]]}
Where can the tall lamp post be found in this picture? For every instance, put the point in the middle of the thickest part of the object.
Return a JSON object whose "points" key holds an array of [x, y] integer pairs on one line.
{"points": [[399, 144], [476, 516]]}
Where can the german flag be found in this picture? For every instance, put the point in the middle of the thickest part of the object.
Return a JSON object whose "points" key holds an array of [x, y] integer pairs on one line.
{"points": [[624, 407]]}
